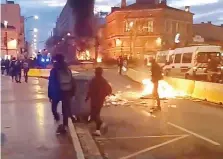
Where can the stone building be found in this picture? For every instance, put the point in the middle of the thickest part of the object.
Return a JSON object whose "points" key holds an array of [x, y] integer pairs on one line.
{"points": [[11, 14], [145, 27], [208, 33]]}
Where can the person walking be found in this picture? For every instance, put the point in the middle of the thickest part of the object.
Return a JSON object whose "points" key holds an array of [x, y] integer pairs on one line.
{"points": [[3, 66], [13, 69], [61, 87], [7, 65], [98, 90], [120, 64], [18, 66], [26, 69], [156, 77]]}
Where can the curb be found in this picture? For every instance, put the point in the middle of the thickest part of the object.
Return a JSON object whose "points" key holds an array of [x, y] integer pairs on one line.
{"points": [[83, 142], [75, 141]]}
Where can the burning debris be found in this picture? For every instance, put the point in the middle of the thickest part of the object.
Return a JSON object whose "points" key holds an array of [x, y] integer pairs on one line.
{"points": [[165, 90]]}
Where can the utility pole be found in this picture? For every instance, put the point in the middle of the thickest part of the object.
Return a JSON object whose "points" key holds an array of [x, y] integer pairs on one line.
{"points": [[96, 49], [6, 42]]}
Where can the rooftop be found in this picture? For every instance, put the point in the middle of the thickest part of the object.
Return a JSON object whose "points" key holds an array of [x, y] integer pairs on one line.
{"points": [[137, 6]]}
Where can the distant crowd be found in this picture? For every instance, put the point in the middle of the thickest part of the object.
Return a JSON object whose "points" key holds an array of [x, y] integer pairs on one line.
{"points": [[14, 68]]}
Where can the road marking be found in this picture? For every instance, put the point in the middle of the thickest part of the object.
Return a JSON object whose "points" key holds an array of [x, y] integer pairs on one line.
{"points": [[154, 147], [195, 134], [148, 114], [75, 140], [139, 137]]}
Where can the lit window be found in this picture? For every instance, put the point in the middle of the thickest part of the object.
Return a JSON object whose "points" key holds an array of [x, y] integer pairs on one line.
{"points": [[150, 26], [129, 26]]}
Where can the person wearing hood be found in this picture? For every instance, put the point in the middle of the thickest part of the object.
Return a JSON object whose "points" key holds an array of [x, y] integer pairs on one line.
{"points": [[13, 68], [98, 89], [61, 87]]}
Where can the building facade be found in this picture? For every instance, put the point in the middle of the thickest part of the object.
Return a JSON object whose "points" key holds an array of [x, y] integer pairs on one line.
{"points": [[64, 39], [208, 33], [9, 45], [11, 14], [144, 28]]}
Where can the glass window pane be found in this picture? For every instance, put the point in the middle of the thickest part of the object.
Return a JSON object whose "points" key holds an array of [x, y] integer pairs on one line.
{"points": [[177, 58], [187, 58]]}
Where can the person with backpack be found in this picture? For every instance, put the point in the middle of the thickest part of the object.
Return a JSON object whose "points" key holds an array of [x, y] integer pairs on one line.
{"points": [[156, 77], [26, 69], [98, 89], [61, 87]]}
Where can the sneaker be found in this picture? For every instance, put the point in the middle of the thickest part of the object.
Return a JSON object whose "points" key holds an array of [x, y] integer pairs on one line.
{"points": [[97, 133], [61, 129]]}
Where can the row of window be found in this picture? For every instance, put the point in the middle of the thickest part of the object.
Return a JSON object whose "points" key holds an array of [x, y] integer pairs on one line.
{"points": [[187, 58], [149, 26]]}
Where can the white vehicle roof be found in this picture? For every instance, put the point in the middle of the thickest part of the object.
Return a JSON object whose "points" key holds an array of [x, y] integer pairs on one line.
{"points": [[191, 49]]}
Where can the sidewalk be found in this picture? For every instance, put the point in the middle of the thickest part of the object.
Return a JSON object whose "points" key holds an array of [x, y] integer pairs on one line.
{"points": [[28, 125]]}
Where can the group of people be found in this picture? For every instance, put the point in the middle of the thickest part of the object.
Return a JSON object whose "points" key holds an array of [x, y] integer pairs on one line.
{"points": [[62, 87], [14, 68]]}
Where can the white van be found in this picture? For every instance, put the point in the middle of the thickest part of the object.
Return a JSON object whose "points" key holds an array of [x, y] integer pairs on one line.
{"points": [[190, 61]]}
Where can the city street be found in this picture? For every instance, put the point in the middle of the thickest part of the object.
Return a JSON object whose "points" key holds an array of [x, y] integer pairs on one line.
{"points": [[27, 126], [185, 129]]}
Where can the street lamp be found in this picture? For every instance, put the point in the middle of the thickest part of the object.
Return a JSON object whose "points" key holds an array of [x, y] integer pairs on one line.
{"points": [[33, 16], [34, 40], [68, 34], [34, 36], [5, 23], [35, 30]]}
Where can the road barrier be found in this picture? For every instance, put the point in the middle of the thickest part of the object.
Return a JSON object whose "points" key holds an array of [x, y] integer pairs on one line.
{"points": [[212, 92], [42, 73], [34, 73], [137, 75]]}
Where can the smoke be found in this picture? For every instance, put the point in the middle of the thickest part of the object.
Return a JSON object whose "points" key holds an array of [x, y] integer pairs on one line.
{"points": [[83, 11]]}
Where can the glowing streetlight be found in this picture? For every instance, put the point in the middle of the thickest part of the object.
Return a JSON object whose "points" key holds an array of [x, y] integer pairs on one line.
{"points": [[5, 23], [63, 39], [35, 17], [34, 36], [35, 30], [68, 34], [34, 40]]}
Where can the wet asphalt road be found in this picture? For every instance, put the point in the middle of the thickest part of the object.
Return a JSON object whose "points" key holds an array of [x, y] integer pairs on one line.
{"points": [[184, 129], [27, 124]]}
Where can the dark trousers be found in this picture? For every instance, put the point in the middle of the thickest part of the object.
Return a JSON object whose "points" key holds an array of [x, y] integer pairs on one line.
{"points": [[54, 109], [66, 107], [18, 76], [26, 75], [95, 115], [156, 93], [120, 69], [3, 71]]}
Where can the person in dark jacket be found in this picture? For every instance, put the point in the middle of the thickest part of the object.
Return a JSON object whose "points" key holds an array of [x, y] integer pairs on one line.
{"points": [[3, 66], [98, 90], [18, 67], [26, 69], [156, 77], [61, 89], [120, 64], [13, 68], [7, 66]]}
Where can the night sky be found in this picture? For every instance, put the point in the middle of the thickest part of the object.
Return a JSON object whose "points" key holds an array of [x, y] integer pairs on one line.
{"points": [[49, 10]]}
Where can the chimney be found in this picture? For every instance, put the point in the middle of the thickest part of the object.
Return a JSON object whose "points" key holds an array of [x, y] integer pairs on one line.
{"points": [[123, 4], [187, 8], [163, 2], [209, 22]]}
